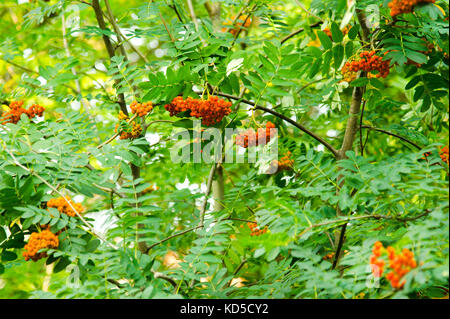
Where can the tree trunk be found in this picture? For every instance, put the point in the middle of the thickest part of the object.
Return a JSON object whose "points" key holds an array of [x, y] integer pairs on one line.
{"points": [[218, 189]]}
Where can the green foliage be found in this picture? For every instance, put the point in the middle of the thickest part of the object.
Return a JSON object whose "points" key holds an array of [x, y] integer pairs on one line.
{"points": [[148, 230]]}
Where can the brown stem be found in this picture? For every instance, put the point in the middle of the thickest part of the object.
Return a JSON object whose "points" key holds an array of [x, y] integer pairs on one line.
{"points": [[109, 47], [214, 13], [352, 122], [360, 128], [164, 277], [208, 190], [218, 189], [116, 28], [346, 220], [194, 228], [294, 33], [339, 246], [121, 36], [363, 22], [23, 68], [307, 11], [241, 26], [350, 131]]}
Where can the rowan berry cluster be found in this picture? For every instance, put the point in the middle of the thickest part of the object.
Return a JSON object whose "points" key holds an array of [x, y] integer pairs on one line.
{"points": [[255, 230], [150, 189], [251, 138], [16, 110], [328, 256], [285, 163], [63, 207], [369, 62], [245, 19], [211, 111], [127, 130], [141, 109], [443, 153], [37, 241], [405, 6], [376, 264], [400, 264], [348, 75]]}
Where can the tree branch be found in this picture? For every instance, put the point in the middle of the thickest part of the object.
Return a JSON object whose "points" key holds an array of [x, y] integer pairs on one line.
{"points": [[116, 28], [111, 19], [164, 277], [285, 118], [294, 33], [208, 190], [307, 11], [346, 220], [194, 228], [23, 68], [101, 23], [350, 130], [391, 134], [214, 13], [363, 22]]}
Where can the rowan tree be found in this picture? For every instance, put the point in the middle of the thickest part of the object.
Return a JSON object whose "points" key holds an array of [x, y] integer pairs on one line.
{"points": [[93, 94]]}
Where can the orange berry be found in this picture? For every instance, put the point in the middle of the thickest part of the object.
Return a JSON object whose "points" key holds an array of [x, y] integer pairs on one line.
{"points": [[16, 110], [63, 207], [261, 137], [37, 241], [211, 111], [369, 62], [141, 109], [405, 6]]}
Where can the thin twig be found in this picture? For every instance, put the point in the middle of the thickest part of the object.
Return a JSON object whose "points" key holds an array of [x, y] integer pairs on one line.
{"points": [[294, 33], [109, 140], [165, 26], [164, 277], [23, 68], [241, 26], [116, 28], [307, 11], [194, 228], [119, 33], [240, 267], [392, 134], [350, 129], [360, 128], [346, 220]]}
